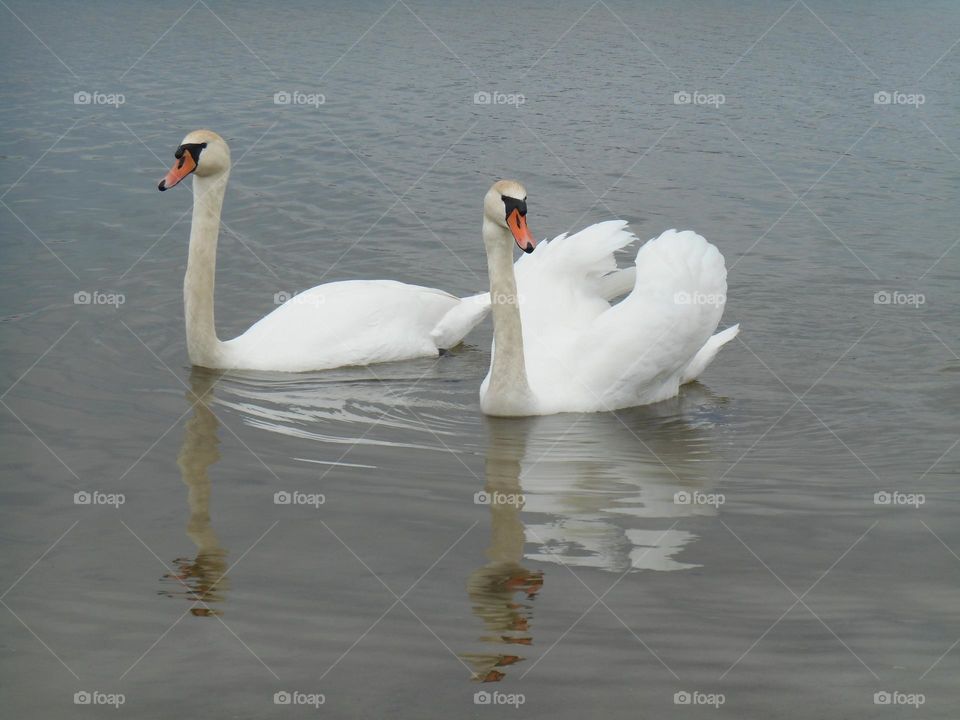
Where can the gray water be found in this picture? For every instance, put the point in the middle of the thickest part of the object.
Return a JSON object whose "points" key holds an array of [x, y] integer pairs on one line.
{"points": [[787, 589]]}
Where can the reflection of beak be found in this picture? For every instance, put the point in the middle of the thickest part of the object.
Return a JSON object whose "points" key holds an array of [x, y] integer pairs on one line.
{"points": [[181, 168], [521, 233]]}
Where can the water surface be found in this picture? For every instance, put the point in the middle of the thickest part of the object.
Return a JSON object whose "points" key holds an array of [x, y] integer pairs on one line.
{"points": [[784, 586]]}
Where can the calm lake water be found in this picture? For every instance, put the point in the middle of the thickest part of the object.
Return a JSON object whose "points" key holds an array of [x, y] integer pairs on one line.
{"points": [[729, 544]]}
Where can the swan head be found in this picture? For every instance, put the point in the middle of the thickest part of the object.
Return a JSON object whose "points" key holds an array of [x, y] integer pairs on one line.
{"points": [[505, 205], [201, 152]]}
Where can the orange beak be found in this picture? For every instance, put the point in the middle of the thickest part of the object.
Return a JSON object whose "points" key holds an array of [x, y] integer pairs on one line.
{"points": [[183, 166], [521, 233]]}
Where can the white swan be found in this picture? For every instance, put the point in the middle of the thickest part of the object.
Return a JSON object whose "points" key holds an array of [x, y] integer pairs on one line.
{"points": [[558, 344], [355, 322]]}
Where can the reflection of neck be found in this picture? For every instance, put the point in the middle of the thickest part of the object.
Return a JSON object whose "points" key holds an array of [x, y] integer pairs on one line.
{"points": [[198, 452], [494, 587], [198, 285], [508, 389], [503, 476]]}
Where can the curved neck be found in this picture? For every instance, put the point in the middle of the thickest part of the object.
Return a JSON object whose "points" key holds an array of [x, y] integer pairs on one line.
{"points": [[202, 344], [508, 391]]}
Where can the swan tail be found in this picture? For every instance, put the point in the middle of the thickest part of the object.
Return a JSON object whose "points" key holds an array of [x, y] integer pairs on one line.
{"points": [[460, 320], [707, 353]]}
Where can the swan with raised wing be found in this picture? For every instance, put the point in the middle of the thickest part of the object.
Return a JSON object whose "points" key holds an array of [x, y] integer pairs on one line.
{"points": [[353, 322], [559, 345]]}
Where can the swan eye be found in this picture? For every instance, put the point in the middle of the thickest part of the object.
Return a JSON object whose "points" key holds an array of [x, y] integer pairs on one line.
{"points": [[192, 148], [511, 204]]}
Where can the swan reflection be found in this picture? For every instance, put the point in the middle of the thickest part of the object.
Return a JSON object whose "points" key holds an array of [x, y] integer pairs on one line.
{"points": [[596, 491], [502, 592], [599, 491], [200, 579], [605, 491]]}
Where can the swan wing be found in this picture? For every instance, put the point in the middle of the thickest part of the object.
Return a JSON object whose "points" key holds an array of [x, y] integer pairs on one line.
{"points": [[618, 283], [353, 322], [565, 284], [637, 352], [571, 268]]}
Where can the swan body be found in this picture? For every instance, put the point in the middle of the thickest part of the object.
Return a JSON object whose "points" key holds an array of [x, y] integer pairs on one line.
{"points": [[355, 322], [570, 349]]}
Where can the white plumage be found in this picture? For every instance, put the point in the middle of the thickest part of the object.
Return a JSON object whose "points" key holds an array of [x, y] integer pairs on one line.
{"points": [[356, 322], [580, 354]]}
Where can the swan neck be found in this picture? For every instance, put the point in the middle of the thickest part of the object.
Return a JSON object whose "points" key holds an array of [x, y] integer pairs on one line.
{"points": [[198, 285], [508, 390]]}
